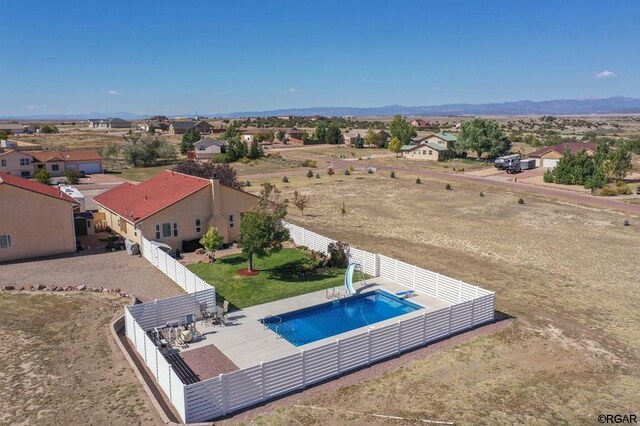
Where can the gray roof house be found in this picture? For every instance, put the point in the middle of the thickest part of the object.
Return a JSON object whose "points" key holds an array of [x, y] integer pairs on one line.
{"points": [[206, 148]]}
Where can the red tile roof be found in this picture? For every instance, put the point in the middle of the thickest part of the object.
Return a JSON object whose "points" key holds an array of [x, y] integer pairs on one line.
{"points": [[574, 148], [29, 185], [44, 156], [137, 202]]}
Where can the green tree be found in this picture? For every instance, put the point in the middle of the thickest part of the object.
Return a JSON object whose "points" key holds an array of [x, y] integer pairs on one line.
{"points": [[310, 174], [236, 149], [321, 131], [333, 134], [43, 176], [619, 161], [3, 135], [49, 129], [301, 201], [188, 140], [372, 138], [232, 132], [399, 128], [482, 135], [151, 130], [110, 151], [395, 145], [71, 176], [256, 151], [261, 229], [211, 241]]}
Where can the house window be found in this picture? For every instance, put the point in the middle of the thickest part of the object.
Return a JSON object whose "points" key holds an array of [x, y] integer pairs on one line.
{"points": [[157, 231], [175, 229], [5, 241], [55, 167], [430, 152], [4, 163], [231, 221], [201, 148], [198, 225], [24, 161], [166, 230], [424, 152], [25, 174]]}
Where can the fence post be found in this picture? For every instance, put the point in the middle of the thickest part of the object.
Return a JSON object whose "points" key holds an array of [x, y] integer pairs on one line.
{"points": [[156, 305], [338, 343], [450, 315], [223, 395], [369, 346], [414, 277], [473, 311], [262, 389], [158, 354], [170, 370], [304, 381], [437, 285], [399, 335], [424, 328]]}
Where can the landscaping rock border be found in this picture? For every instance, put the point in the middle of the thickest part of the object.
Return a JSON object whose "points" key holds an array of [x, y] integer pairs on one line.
{"points": [[82, 288]]}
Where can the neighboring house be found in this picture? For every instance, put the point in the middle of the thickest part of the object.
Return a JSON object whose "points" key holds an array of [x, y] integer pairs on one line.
{"points": [[294, 136], [419, 123], [15, 129], [157, 125], [441, 138], [549, 156], [173, 207], [351, 137], [426, 151], [181, 127], [16, 163], [56, 162], [19, 145], [206, 148], [36, 219], [247, 135], [110, 123]]}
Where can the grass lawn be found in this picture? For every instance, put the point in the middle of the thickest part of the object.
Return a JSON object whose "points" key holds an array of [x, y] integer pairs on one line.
{"points": [[139, 174], [276, 280]]}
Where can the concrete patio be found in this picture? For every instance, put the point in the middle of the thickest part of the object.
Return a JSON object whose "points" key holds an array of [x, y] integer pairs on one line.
{"points": [[246, 342]]}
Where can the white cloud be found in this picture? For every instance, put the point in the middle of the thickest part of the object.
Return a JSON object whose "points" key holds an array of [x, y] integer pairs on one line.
{"points": [[434, 87], [32, 106], [293, 89], [113, 92], [606, 74]]}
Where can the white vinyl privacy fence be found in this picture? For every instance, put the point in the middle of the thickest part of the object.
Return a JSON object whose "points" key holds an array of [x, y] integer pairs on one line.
{"points": [[218, 396], [186, 279]]}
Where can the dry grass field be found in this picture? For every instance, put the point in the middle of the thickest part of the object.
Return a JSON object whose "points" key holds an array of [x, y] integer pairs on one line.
{"points": [[61, 365], [568, 275]]}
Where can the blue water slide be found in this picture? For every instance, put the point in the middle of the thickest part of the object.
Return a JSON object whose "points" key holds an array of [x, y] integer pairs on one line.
{"points": [[348, 278]]}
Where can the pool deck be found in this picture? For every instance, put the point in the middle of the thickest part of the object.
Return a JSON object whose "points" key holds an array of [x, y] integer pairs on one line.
{"points": [[246, 342]]}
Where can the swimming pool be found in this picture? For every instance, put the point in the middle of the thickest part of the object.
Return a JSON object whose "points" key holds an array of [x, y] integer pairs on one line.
{"points": [[329, 319]]}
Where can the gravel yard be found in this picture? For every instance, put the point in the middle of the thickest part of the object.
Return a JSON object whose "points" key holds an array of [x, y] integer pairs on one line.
{"points": [[93, 268]]}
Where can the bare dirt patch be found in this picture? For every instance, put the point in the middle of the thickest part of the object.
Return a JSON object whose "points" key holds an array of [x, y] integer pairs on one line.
{"points": [[62, 365], [567, 273]]}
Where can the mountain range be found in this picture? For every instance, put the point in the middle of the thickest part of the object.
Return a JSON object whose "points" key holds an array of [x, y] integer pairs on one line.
{"points": [[612, 105]]}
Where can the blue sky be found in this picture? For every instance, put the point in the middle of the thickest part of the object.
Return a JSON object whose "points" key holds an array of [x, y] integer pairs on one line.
{"points": [[232, 55]]}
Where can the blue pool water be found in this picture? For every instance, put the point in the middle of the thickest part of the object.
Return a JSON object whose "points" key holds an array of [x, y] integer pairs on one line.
{"points": [[328, 319]]}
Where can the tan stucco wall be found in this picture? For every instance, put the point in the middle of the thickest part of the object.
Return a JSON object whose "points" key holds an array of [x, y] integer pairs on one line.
{"points": [[418, 154], [39, 225], [115, 222], [13, 166], [49, 167]]}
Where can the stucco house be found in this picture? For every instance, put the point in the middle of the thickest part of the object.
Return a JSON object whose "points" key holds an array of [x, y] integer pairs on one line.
{"points": [[56, 162], [206, 148], [441, 138], [419, 123], [109, 123], [350, 138], [549, 156], [248, 134], [35, 219], [182, 127], [173, 207], [426, 151], [293, 136], [16, 163], [15, 129]]}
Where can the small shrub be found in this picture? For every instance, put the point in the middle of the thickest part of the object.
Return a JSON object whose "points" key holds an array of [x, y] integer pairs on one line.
{"points": [[392, 175], [347, 172], [285, 180], [317, 175], [310, 163], [274, 155], [43, 176], [548, 176], [418, 181], [330, 171], [520, 201], [337, 254], [247, 183], [611, 191], [481, 194], [310, 174], [626, 222], [219, 158], [370, 170], [350, 168], [448, 187], [244, 160], [71, 176]]}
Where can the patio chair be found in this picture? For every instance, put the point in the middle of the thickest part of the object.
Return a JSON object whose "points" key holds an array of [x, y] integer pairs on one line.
{"points": [[225, 309], [205, 313]]}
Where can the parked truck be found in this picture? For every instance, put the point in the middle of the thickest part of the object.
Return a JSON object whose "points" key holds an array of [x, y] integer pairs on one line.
{"points": [[510, 163]]}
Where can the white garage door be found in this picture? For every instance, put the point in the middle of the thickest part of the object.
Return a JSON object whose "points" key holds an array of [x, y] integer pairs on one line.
{"points": [[90, 168], [549, 163]]}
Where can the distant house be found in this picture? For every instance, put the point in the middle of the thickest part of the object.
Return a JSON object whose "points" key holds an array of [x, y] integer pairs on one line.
{"points": [[248, 134], [16, 163], [19, 145], [159, 118], [37, 219], [426, 151], [549, 156], [15, 129], [173, 207], [157, 125], [51, 161], [442, 138], [293, 136], [56, 162], [206, 148], [419, 123], [182, 127], [110, 123], [350, 138]]}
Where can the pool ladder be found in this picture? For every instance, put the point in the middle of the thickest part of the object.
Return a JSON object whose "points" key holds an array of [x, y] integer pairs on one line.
{"points": [[264, 320]]}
